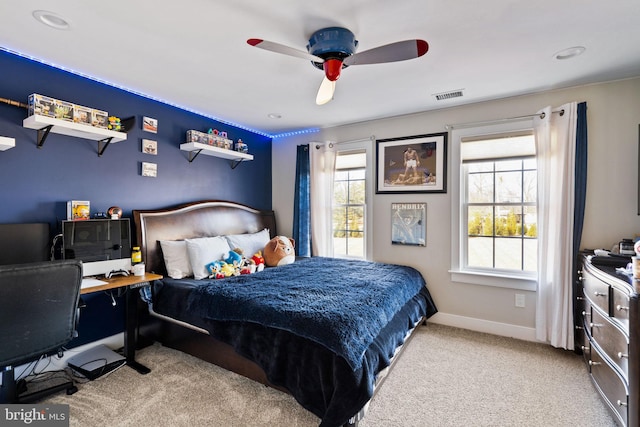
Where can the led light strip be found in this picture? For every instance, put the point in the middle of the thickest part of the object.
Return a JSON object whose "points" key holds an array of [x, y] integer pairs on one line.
{"points": [[78, 73]]}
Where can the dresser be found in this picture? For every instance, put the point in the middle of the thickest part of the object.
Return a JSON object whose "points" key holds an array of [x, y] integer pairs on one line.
{"points": [[608, 334]]}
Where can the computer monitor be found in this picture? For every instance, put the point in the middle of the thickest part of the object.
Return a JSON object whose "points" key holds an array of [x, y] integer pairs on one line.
{"points": [[103, 245], [24, 242]]}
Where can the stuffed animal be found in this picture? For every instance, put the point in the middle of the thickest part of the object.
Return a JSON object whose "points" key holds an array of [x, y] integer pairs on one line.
{"points": [[215, 269], [258, 261], [234, 258], [229, 270], [279, 251]]}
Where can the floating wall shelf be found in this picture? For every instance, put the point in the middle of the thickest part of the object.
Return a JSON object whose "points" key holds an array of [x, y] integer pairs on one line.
{"points": [[195, 148], [6, 143], [45, 125]]}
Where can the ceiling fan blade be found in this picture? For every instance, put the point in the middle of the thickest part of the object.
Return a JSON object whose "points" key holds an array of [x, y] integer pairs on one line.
{"points": [[325, 93], [286, 50], [398, 51]]}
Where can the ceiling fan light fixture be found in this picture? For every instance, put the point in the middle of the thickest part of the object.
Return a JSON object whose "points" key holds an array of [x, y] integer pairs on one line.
{"points": [[334, 48], [332, 40], [569, 53], [51, 19], [332, 68]]}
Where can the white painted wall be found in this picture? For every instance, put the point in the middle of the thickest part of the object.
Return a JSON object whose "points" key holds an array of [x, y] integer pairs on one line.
{"points": [[611, 205]]}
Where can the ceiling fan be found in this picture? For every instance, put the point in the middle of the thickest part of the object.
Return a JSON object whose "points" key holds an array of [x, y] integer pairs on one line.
{"points": [[334, 48]]}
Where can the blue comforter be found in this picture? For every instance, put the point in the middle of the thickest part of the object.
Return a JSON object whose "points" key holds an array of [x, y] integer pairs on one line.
{"points": [[339, 321], [340, 304]]}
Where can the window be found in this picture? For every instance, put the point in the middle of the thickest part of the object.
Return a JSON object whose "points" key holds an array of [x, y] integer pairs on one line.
{"points": [[496, 237], [349, 197], [501, 215]]}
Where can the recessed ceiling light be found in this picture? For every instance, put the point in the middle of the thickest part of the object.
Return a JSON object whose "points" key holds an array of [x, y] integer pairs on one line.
{"points": [[51, 19], [570, 52], [274, 116]]}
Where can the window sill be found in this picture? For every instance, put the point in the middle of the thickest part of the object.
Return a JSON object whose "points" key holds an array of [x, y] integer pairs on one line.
{"points": [[497, 280]]}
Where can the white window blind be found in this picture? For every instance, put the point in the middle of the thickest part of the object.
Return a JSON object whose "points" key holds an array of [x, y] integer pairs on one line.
{"points": [[497, 147]]}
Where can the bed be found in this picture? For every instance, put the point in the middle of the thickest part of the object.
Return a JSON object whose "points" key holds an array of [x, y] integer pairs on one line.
{"points": [[325, 330]]}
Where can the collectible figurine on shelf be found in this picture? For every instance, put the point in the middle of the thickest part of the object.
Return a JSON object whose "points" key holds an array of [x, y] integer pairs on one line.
{"points": [[114, 124], [241, 146]]}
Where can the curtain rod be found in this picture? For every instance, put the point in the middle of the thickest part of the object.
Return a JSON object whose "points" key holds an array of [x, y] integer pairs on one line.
{"points": [[331, 143], [496, 121]]}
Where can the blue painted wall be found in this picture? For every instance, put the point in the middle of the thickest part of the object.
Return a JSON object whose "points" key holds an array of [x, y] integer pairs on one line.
{"points": [[36, 183]]}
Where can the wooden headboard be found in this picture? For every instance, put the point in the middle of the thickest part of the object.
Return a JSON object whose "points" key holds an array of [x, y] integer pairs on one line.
{"points": [[197, 219]]}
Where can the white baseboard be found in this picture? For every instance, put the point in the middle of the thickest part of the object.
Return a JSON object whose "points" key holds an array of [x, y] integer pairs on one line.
{"points": [[486, 326], [54, 363]]}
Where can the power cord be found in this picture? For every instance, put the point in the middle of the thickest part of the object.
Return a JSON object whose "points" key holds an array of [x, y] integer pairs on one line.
{"points": [[32, 374], [53, 246], [113, 300]]}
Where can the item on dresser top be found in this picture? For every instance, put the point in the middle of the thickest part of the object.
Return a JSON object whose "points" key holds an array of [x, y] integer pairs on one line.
{"points": [[613, 260], [626, 247], [635, 267]]}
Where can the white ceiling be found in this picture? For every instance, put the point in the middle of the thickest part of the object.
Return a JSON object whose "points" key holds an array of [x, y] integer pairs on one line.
{"points": [[193, 53]]}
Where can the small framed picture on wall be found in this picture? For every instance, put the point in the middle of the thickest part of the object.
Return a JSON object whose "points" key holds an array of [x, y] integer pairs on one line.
{"points": [[150, 146], [149, 169], [409, 224], [149, 125]]}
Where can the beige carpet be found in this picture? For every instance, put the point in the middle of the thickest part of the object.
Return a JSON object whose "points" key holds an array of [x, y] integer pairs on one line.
{"points": [[446, 377]]}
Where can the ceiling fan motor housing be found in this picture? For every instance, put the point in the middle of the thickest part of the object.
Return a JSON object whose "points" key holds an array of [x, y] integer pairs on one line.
{"points": [[333, 43]]}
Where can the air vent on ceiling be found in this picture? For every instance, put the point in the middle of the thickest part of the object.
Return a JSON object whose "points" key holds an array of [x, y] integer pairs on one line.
{"points": [[448, 95]]}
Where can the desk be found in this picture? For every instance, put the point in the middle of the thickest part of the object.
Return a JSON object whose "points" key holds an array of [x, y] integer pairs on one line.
{"points": [[131, 311]]}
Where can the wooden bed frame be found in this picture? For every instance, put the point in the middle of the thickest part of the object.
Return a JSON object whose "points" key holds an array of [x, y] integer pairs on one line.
{"points": [[202, 219], [198, 219], [187, 221]]}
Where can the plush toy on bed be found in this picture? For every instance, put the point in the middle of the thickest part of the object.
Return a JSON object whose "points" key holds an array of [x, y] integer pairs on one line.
{"points": [[234, 263], [234, 258], [258, 260], [279, 251], [215, 269], [229, 270]]}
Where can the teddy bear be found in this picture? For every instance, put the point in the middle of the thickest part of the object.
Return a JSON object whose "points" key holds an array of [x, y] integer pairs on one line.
{"points": [[279, 251]]}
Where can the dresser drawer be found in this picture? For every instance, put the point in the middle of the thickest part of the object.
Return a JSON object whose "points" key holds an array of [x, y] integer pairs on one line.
{"points": [[596, 291], [610, 385], [613, 341], [620, 307]]}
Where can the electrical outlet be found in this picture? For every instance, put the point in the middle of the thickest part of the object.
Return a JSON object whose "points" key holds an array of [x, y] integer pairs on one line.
{"points": [[519, 300]]}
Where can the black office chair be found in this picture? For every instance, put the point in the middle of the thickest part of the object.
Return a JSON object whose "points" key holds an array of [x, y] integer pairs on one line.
{"points": [[38, 314]]}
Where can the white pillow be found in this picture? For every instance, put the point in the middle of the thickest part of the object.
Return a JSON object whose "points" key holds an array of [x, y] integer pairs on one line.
{"points": [[204, 250], [250, 243], [176, 258]]}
